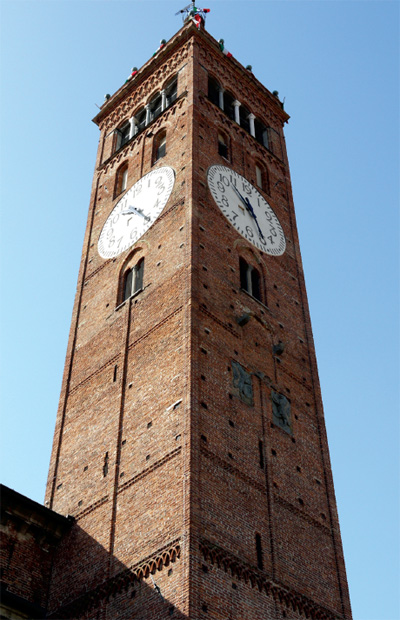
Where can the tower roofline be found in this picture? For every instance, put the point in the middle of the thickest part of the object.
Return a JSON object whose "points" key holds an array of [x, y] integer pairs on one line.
{"points": [[187, 31]]}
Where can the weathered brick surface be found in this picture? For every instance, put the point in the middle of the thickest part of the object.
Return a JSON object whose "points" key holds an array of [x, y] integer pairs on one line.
{"points": [[153, 446]]}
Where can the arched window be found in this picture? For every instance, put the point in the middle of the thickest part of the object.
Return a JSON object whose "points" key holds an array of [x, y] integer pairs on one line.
{"points": [[122, 135], [250, 280], [223, 147], [213, 90], [160, 145], [133, 280], [121, 180]]}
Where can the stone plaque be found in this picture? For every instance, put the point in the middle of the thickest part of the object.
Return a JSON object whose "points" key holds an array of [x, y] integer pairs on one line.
{"points": [[281, 415], [242, 382]]}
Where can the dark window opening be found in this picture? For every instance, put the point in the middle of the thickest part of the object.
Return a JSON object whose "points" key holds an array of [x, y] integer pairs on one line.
{"points": [[255, 283], [133, 280], [261, 133], [213, 90], [105, 465], [123, 135], [260, 564], [222, 147], [121, 181], [261, 451], [172, 91], [244, 118], [229, 108], [156, 107], [160, 146], [141, 119], [250, 280]]}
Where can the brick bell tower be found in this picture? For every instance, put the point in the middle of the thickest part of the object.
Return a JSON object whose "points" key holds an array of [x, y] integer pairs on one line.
{"points": [[190, 443]]}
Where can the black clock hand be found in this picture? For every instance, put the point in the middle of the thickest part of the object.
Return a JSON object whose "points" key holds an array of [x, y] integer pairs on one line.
{"points": [[240, 195], [133, 209], [251, 211]]}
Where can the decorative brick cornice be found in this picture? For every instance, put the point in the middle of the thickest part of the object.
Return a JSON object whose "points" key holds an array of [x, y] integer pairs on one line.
{"points": [[120, 582], [244, 87], [165, 117], [141, 88], [229, 563], [251, 143]]}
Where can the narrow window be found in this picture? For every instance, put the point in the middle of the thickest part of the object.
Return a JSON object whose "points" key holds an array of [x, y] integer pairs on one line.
{"points": [[105, 465], [261, 452], [255, 283], [160, 146], [261, 133], [172, 91], [222, 146], [121, 180], [133, 280], [155, 107], [243, 273], [260, 564], [213, 91], [139, 269], [250, 280], [244, 118], [228, 105], [122, 135], [141, 119], [259, 177], [128, 284]]}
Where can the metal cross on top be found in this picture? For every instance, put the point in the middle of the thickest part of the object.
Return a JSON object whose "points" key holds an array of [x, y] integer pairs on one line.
{"points": [[191, 12]]}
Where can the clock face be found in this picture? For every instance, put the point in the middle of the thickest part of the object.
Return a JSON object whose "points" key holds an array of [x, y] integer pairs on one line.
{"points": [[136, 211], [245, 208]]}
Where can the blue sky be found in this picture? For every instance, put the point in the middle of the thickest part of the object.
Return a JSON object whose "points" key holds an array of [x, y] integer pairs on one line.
{"points": [[337, 66]]}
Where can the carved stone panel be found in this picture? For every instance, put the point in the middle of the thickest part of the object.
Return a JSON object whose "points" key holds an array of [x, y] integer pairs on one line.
{"points": [[242, 383], [281, 414]]}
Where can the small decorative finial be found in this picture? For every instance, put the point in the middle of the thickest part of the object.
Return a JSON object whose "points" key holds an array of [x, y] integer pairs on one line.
{"points": [[192, 13], [162, 44], [134, 70], [221, 44]]}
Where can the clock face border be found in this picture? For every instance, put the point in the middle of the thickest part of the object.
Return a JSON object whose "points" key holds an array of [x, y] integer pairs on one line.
{"points": [[150, 201], [266, 222]]}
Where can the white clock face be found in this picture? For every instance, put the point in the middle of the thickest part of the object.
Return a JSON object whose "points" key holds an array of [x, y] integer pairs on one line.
{"points": [[245, 208], [136, 212]]}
